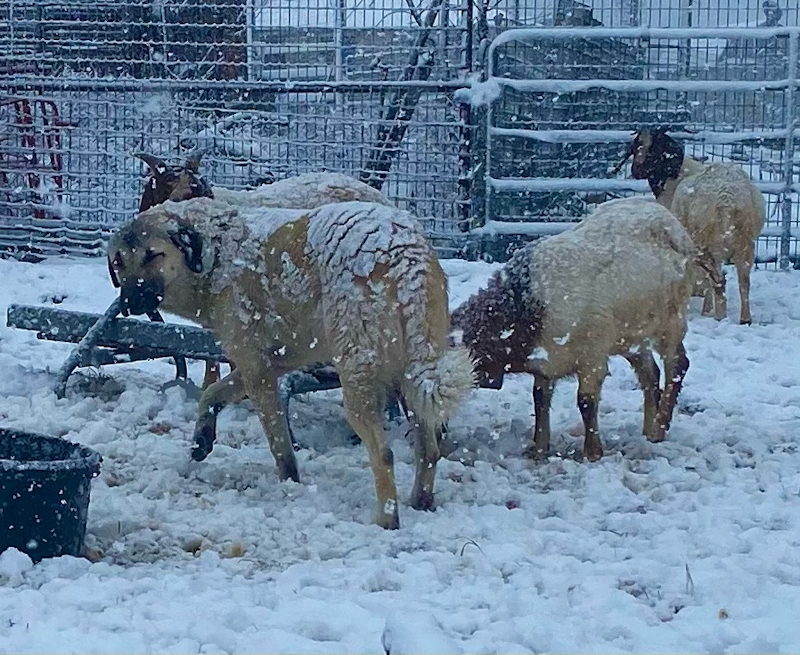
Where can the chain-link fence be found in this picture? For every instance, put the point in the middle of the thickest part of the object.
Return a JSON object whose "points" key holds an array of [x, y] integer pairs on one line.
{"points": [[272, 89]]}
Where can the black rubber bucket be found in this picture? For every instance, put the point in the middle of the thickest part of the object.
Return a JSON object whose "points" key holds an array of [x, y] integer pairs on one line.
{"points": [[44, 493]]}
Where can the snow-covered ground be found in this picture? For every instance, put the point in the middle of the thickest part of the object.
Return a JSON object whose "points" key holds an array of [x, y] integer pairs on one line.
{"points": [[692, 545]]}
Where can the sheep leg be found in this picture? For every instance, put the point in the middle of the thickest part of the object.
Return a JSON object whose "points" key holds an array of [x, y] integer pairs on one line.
{"points": [[588, 399], [676, 363], [364, 407], [649, 376], [211, 375], [744, 264], [708, 299], [542, 395], [426, 452], [261, 386], [226, 391], [718, 289], [711, 279]]}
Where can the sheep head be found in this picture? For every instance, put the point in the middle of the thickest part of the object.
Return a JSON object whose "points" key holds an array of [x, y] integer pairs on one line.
{"points": [[500, 324], [173, 182], [657, 158]]}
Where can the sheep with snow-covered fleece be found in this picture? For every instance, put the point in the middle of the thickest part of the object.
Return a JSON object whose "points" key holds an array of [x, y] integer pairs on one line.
{"points": [[616, 284], [182, 182], [351, 283], [305, 191], [717, 203]]}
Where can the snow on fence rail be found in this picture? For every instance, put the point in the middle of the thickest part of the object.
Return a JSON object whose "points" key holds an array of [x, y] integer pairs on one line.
{"points": [[648, 33], [553, 184], [676, 86], [624, 136]]}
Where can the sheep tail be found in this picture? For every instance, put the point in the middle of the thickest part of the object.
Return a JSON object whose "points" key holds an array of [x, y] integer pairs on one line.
{"points": [[706, 262], [433, 388]]}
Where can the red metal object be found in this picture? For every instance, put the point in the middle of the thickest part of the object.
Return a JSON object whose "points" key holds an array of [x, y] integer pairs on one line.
{"points": [[39, 128]]}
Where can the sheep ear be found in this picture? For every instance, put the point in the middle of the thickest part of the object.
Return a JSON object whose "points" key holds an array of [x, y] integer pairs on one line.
{"points": [[157, 166], [193, 160], [112, 274], [628, 155], [190, 244]]}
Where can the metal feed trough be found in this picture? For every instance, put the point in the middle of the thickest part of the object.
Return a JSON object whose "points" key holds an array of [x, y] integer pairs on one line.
{"points": [[107, 339]]}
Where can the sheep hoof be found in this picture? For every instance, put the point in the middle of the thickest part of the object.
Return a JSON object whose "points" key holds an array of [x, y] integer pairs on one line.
{"points": [[592, 450], [422, 500], [287, 469], [535, 454], [388, 521], [204, 436], [745, 321], [592, 455]]}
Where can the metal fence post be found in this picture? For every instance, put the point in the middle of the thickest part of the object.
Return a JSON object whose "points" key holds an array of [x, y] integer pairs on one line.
{"points": [[466, 131], [788, 162]]}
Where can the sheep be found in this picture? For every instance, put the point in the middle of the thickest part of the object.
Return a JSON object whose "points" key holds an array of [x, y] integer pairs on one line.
{"points": [[351, 283], [718, 204], [303, 192], [306, 191], [616, 284]]}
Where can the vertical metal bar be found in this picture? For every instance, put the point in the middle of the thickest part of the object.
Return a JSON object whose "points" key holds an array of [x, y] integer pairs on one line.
{"points": [[11, 28], [338, 36], [788, 160], [489, 116], [466, 130], [250, 19], [468, 42], [685, 50], [634, 13]]}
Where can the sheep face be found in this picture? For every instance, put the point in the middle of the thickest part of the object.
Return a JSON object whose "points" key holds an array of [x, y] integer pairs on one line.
{"points": [[499, 327], [172, 182], [657, 158]]}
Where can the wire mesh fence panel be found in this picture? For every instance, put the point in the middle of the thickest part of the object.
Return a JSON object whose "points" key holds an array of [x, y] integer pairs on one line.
{"points": [[564, 104], [266, 89]]}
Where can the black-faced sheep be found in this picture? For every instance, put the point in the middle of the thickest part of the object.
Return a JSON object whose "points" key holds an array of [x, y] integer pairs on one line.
{"points": [[616, 284], [718, 204]]}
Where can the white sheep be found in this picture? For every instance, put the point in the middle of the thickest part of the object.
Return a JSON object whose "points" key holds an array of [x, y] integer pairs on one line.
{"points": [[616, 284], [306, 191], [718, 204], [352, 283]]}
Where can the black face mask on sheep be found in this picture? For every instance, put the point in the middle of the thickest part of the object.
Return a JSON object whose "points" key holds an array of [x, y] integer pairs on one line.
{"points": [[144, 260], [657, 158], [173, 182]]}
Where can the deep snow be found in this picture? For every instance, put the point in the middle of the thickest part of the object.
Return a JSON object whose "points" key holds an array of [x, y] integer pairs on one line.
{"points": [[692, 545]]}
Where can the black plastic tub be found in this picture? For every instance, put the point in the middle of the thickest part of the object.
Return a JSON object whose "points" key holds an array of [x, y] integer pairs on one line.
{"points": [[44, 493]]}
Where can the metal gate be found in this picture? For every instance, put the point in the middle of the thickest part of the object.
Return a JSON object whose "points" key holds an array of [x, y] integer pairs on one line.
{"points": [[564, 102]]}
